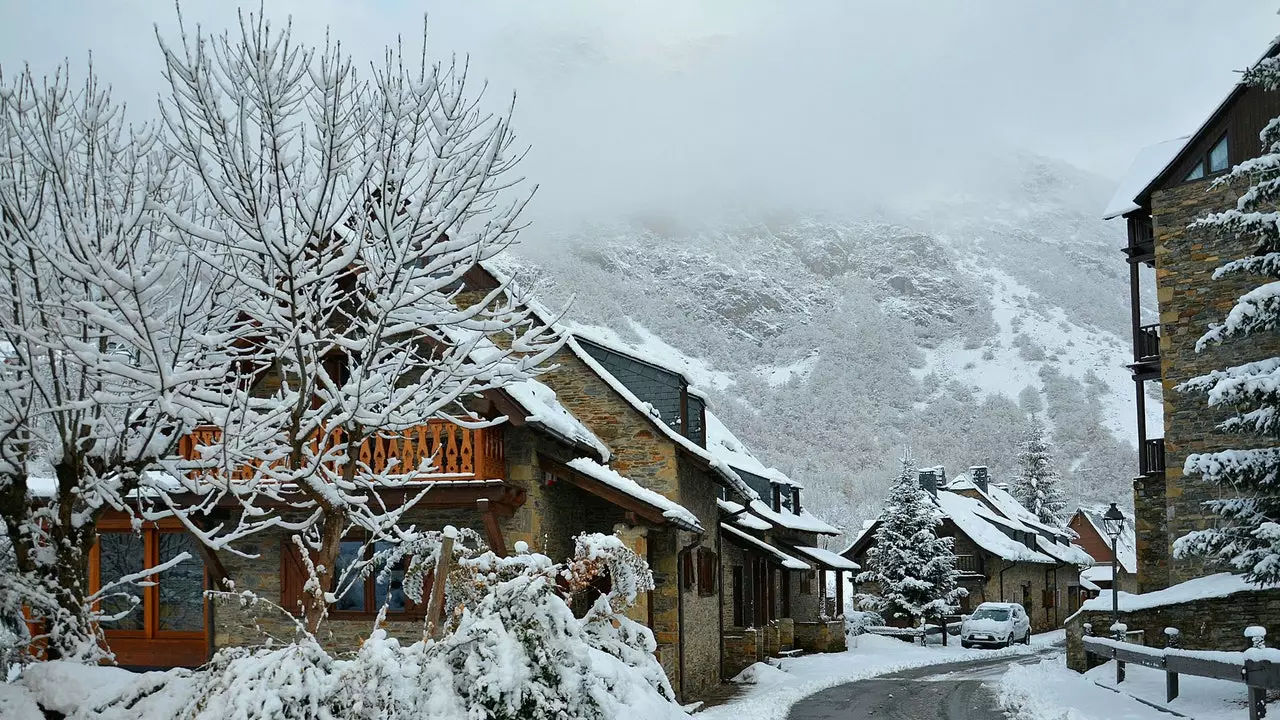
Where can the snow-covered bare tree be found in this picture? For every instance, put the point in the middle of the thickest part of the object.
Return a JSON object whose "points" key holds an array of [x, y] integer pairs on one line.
{"points": [[351, 209], [913, 569], [1249, 538], [1037, 485], [102, 322]]}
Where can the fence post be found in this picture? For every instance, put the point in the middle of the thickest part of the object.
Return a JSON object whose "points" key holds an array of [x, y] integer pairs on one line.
{"points": [[435, 604], [1257, 636], [1118, 631], [1171, 638]]}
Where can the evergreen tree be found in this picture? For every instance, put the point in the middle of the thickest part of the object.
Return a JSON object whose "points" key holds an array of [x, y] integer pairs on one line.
{"points": [[1037, 485], [913, 568], [1249, 539]]}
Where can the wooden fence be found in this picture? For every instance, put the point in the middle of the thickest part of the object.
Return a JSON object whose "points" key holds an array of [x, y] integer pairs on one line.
{"points": [[1259, 675]]}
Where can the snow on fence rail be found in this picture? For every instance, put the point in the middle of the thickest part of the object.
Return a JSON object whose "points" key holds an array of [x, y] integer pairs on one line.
{"points": [[1258, 668]]}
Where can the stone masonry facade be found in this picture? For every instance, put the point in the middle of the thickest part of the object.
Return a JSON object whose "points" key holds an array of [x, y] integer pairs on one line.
{"points": [[1190, 300]]}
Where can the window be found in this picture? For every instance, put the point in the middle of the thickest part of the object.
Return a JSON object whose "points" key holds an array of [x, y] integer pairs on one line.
{"points": [[1215, 161], [1218, 156], [806, 582], [739, 606], [369, 594], [173, 605], [708, 569]]}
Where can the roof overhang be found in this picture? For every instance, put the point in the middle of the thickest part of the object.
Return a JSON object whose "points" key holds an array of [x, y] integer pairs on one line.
{"points": [[648, 512], [771, 553]]}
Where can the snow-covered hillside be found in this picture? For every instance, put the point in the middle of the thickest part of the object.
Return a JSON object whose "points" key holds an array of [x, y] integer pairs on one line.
{"points": [[831, 343]]}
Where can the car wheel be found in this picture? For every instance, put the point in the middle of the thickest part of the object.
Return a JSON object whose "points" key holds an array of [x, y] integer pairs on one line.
{"points": [[966, 644]]}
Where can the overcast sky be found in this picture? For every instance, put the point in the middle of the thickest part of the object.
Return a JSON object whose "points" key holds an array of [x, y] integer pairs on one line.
{"points": [[631, 104]]}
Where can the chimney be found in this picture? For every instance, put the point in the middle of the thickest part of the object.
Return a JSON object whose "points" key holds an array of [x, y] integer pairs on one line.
{"points": [[777, 498], [795, 500], [978, 473], [929, 481]]}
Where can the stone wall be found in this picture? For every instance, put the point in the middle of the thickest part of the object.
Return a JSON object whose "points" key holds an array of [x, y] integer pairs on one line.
{"points": [[1189, 301], [701, 612], [742, 649], [1212, 624], [237, 625], [825, 636]]}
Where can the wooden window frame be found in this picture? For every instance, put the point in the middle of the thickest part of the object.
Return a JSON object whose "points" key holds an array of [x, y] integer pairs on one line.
{"points": [[739, 596], [708, 569], [412, 610], [150, 533], [1205, 170]]}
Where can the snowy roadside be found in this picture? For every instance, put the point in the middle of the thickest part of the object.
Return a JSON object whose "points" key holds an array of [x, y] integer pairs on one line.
{"points": [[1049, 691], [773, 688]]}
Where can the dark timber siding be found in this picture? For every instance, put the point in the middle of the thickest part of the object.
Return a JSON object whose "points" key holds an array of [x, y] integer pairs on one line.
{"points": [[1242, 120]]}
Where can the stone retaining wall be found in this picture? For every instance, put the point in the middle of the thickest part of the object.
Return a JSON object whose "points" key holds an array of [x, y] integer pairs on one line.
{"points": [[1209, 624]]}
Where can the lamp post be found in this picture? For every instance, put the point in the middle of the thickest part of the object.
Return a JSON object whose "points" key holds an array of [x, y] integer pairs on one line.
{"points": [[1113, 524]]}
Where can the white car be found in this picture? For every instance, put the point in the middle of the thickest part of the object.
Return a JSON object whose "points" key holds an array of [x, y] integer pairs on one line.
{"points": [[995, 624]]}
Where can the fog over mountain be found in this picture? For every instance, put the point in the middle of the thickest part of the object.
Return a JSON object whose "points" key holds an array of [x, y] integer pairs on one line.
{"points": [[832, 342], [865, 223]]}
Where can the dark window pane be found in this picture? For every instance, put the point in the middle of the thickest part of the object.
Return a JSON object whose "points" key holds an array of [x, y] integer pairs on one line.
{"points": [[1218, 156], [389, 591], [181, 586], [121, 554], [353, 599]]}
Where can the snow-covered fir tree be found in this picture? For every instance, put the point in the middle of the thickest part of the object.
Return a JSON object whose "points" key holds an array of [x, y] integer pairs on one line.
{"points": [[913, 569], [1037, 485], [1249, 538]]}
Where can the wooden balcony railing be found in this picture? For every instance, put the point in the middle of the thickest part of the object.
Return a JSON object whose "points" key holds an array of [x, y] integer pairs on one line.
{"points": [[1147, 342], [969, 564], [1151, 459], [454, 452]]}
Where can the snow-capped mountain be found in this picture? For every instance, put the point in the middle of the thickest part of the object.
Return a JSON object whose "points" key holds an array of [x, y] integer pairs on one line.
{"points": [[832, 343]]}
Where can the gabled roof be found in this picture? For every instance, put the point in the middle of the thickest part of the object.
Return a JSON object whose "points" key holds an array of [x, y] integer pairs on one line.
{"points": [[722, 443], [670, 510], [1150, 162], [1192, 140], [978, 523], [1126, 544], [778, 557]]}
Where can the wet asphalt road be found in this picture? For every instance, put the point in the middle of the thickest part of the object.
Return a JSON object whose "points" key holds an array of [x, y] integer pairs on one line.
{"points": [[958, 691]]}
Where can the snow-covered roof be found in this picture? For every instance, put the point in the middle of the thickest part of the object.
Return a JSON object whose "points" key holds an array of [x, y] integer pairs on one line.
{"points": [[1126, 544], [717, 466], [780, 557], [722, 443], [671, 509], [1150, 162], [1069, 553], [1097, 573], [1210, 586], [826, 557], [1088, 584], [974, 520], [542, 406], [804, 522], [741, 517]]}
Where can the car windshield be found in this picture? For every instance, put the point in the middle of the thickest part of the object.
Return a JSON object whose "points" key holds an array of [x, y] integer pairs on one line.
{"points": [[991, 614]]}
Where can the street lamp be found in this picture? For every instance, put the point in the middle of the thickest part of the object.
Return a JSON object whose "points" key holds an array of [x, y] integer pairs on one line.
{"points": [[1113, 524]]}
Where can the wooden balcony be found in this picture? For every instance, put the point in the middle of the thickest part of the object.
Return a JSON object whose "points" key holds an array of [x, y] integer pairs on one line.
{"points": [[1151, 457], [1146, 352], [969, 564], [454, 452]]}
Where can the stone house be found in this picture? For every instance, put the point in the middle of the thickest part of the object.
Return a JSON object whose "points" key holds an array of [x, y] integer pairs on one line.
{"points": [[1003, 553], [1170, 185], [604, 441], [773, 567], [1090, 535]]}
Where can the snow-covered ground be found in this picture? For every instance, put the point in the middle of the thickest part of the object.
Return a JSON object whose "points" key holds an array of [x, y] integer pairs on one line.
{"points": [[1049, 691], [773, 688]]}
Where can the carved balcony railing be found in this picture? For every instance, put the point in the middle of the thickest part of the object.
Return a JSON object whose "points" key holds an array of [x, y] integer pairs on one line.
{"points": [[969, 564], [1151, 459], [452, 451]]}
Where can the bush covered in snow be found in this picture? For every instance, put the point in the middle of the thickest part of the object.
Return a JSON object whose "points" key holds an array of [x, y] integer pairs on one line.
{"points": [[513, 649]]}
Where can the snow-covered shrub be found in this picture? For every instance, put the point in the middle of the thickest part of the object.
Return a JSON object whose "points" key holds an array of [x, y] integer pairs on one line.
{"points": [[856, 622], [513, 650]]}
